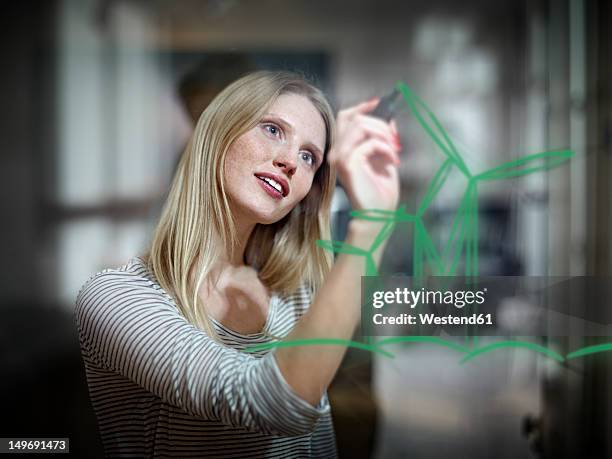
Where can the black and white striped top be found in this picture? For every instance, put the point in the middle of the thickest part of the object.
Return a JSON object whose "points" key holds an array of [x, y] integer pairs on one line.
{"points": [[160, 387]]}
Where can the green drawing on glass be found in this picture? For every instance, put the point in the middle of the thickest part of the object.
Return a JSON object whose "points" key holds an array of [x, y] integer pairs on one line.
{"points": [[320, 342], [590, 350], [521, 344], [462, 240]]}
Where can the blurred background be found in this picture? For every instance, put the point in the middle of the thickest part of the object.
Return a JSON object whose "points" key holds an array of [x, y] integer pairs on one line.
{"points": [[100, 97]]}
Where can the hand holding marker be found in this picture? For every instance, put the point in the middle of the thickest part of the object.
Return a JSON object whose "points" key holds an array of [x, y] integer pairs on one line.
{"points": [[388, 106]]}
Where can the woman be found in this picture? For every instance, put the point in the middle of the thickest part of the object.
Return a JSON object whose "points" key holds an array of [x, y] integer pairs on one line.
{"points": [[234, 263]]}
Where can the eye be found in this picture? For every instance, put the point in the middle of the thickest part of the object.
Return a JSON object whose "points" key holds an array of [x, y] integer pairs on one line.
{"points": [[308, 157], [272, 129]]}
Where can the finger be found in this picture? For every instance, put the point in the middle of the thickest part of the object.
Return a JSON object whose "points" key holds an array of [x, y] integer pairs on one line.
{"points": [[376, 125], [374, 146], [363, 129], [396, 136], [393, 125], [363, 107], [347, 143]]}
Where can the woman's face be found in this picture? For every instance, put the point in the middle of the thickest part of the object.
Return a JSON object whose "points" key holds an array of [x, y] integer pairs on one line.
{"points": [[270, 169]]}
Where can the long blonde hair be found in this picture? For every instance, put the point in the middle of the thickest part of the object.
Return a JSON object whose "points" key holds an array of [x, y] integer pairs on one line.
{"points": [[196, 214]]}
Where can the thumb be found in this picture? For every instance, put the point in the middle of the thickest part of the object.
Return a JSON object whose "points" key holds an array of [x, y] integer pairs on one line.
{"points": [[364, 107]]}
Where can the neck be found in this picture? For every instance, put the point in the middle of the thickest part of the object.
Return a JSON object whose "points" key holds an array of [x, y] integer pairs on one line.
{"points": [[225, 264], [226, 260]]}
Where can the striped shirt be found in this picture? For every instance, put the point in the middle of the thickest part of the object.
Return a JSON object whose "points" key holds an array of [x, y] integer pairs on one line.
{"points": [[161, 387]]}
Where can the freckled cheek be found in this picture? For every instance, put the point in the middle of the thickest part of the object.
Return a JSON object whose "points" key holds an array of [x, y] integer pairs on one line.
{"points": [[246, 152], [241, 156]]}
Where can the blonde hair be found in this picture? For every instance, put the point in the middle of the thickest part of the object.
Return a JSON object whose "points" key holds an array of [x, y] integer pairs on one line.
{"points": [[196, 214]]}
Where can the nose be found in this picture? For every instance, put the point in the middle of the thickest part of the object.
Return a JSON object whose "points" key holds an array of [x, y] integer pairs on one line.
{"points": [[286, 161]]}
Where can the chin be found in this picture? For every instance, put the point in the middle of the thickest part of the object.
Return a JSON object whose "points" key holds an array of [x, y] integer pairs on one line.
{"points": [[269, 219], [263, 215]]}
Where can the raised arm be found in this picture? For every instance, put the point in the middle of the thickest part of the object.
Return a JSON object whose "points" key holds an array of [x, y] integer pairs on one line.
{"points": [[128, 327], [366, 158]]}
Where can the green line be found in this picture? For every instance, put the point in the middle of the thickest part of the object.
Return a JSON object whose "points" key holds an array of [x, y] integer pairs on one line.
{"points": [[432, 255], [410, 98], [522, 344], [469, 222], [475, 234], [385, 232], [341, 247], [447, 147], [320, 342], [435, 186], [459, 243], [475, 254], [510, 169], [423, 339], [590, 350], [456, 224], [471, 250], [471, 255], [463, 238]]}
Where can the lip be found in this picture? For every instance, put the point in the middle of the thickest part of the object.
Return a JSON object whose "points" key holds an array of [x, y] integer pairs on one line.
{"points": [[277, 178]]}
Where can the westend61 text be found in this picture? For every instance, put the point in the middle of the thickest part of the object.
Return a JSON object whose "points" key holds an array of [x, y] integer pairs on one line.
{"points": [[432, 319]]}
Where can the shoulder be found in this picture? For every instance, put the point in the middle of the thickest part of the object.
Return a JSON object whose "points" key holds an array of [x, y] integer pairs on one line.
{"points": [[133, 273], [116, 288]]}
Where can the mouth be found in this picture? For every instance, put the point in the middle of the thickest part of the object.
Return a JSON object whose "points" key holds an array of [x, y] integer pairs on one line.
{"points": [[274, 184]]}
